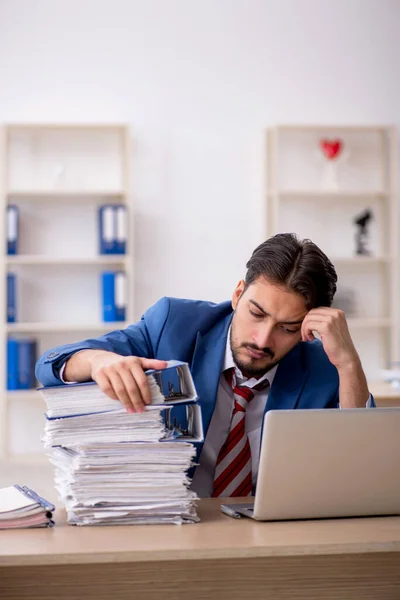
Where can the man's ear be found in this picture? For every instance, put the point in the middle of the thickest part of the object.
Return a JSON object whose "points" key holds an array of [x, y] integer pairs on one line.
{"points": [[237, 293]]}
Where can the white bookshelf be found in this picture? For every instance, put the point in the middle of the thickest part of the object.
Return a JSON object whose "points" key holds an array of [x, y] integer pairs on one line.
{"points": [[297, 201], [58, 174]]}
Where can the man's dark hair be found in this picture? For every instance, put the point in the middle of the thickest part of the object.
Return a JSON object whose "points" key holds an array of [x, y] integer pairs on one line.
{"points": [[298, 265]]}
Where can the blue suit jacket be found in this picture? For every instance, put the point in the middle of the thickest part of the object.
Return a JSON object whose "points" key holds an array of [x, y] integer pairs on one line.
{"points": [[196, 332]]}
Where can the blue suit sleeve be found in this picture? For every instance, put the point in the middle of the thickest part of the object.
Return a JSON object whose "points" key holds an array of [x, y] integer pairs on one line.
{"points": [[140, 339]]}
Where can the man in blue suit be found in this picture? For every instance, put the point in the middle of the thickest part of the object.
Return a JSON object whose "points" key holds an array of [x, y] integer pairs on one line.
{"points": [[253, 354]]}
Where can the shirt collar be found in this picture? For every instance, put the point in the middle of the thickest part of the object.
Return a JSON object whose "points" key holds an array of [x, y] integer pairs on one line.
{"points": [[240, 378]]}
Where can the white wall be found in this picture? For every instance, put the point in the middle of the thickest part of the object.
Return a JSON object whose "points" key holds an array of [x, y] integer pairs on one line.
{"points": [[199, 82]]}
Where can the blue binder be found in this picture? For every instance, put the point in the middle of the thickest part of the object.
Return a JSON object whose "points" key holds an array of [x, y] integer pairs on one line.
{"points": [[107, 229], [12, 229], [26, 363], [109, 308], [114, 296], [120, 228], [12, 364], [120, 295], [11, 298]]}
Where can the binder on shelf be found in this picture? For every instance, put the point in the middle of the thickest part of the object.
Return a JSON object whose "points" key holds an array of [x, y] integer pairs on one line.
{"points": [[21, 359], [114, 296], [12, 364], [107, 229], [112, 229], [11, 298], [121, 229], [27, 353], [120, 295], [12, 229]]}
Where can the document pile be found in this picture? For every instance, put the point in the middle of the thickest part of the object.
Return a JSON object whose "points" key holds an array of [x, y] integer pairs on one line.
{"points": [[116, 467], [21, 507]]}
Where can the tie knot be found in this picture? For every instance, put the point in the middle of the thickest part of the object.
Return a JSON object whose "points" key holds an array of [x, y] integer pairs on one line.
{"points": [[242, 393], [231, 379]]}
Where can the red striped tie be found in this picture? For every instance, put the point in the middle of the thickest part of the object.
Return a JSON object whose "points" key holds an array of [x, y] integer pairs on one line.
{"points": [[233, 473]]}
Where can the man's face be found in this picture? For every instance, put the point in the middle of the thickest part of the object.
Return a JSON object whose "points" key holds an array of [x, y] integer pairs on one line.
{"points": [[266, 325]]}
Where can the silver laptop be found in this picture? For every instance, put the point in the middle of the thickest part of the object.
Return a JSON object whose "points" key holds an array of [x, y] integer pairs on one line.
{"points": [[326, 463]]}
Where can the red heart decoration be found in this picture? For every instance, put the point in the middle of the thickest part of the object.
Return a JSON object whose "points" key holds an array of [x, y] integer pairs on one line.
{"points": [[331, 148]]}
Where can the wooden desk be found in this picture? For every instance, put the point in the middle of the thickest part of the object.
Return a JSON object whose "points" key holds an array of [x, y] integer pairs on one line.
{"points": [[219, 558], [384, 393]]}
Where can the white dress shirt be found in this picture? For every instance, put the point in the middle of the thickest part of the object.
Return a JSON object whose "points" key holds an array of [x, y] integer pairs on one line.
{"points": [[218, 430]]}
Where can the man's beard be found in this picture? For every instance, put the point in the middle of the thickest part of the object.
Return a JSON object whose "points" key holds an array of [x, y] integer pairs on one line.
{"points": [[247, 368]]}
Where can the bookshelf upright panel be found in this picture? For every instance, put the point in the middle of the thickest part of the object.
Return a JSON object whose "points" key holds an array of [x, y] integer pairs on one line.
{"points": [[337, 186], [58, 176]]}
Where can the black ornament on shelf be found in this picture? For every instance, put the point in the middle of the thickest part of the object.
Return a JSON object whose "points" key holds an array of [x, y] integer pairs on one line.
{"points": [[362, 233]]}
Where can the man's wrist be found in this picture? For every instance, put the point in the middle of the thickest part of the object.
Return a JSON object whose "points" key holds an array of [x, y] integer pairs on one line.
{"points": [[351, 366], [79, 366]]}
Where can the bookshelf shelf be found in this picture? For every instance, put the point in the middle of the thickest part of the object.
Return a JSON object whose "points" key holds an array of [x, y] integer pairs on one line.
{"points": [[64, 327], [332, 128], [337, 196], [17, 127], [59, 175], [61, 195], [67, 261]]}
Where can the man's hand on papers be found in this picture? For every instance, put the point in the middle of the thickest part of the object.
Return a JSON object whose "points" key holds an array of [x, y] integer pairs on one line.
{"points": [[331, 326], [122, 377]]}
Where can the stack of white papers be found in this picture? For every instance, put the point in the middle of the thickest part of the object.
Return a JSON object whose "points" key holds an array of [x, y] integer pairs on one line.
{"points": [[115, 467], [118, 426], [90, 400], [21, 507], [125, 482]]}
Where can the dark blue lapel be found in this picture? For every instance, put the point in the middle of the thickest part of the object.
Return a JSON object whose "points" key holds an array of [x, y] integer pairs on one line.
{"points": [[288, 381], [206, 366]]}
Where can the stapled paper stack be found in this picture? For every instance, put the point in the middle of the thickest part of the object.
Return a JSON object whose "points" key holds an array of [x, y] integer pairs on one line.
{"points": [[21, 507], [115, 467]]}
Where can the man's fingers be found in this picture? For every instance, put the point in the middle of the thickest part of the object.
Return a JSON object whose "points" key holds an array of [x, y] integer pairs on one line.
{"points": [[153, 363], [126, 381], [325, 311], [105, 385], [131, 392], [114, 388], [142, 382], [320, 326], [112, 385]]}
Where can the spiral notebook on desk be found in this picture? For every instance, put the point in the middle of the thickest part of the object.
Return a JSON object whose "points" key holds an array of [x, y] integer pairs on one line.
{"points": [[21, 507]]}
